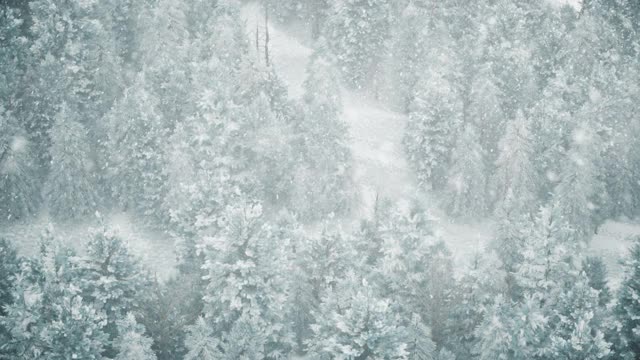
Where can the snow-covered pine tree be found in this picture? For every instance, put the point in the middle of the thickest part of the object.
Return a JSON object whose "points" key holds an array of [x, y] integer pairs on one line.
{"points": [[125, 28], [512, 330], [467, 184], [596, 271], [581, 194], [357, 31], [73, 41], [71, 187], [9, 270], [577, 320], [418, 339], [485, 110], [134, 154], [515, 182], [434, 120], [13, 54], [415, 265], [510, 237], [410, 49], [558, 313], [405, 251], [245, 294], [131, 342], [164, 53], [353, 322], [19, 184], [201, 175], [168, 311], [202, 342], [323, 181], [482, 281], [49, 318], [548, 256], [627, 310], [112, 279], [319, 262]]}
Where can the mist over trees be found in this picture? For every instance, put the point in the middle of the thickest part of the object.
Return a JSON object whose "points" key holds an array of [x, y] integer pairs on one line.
{"points": [[523, 114]]}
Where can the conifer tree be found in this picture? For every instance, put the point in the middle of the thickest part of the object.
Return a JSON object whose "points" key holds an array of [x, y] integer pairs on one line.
{"points": [[483, 280], [357, 31], [596, 271], [467, 185], [410, 50], [244, 297], [131, 342], [323, 179], [135, 160], [320, 261], [581, 193], [71, 188], [9, 271], [628, 306], [418, 337], [50, 319], [515, 177], [19, 185], [202, 342], [112, 279], [78, 57], [353, 322], [434, 119]]}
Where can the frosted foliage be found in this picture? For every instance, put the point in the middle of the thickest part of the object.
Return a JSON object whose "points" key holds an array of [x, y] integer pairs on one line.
{"points": [[71, 189], [132, 344], [319, 179]]}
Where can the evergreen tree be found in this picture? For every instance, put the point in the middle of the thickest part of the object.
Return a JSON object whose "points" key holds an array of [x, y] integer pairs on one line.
{"points": [[596, 271], [19, 185], [324, 179], [9, 270], [131, 342], [134, 152], [244, 297], [419, 343], [50, 319], [410, 50], [580, 193], [202, 342], [512, 330], [319, 262], [467, 182], [558, 313], [164, 55], [416, 265], [475, 293], [578, 324], [112, 279], [168, 310], [353, 322], [485, 110], [434, 118], [78, 63], [357, 31], [515, 177], [70, 190], [628, 306]]}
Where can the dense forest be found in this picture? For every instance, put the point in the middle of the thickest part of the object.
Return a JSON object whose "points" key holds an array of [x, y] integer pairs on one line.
{"points": [[523, 113]]}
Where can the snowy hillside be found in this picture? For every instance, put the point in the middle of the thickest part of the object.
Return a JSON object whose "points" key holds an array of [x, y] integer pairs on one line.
{"points": [[320, 179], [380, 166]]}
